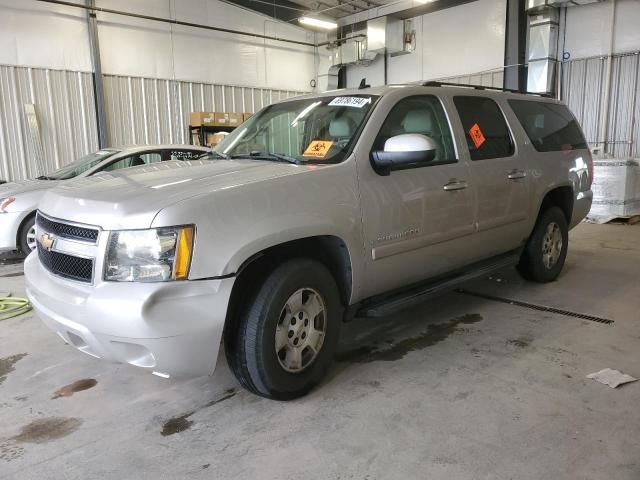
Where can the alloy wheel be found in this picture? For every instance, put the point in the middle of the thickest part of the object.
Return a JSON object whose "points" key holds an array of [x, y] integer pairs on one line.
{"points": [[301, 330], [31, 238], [551, 245]]}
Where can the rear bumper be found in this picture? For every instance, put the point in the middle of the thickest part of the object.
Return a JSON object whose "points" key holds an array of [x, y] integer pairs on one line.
{"points": [[172, 328], [581, 207], [9, 224]]}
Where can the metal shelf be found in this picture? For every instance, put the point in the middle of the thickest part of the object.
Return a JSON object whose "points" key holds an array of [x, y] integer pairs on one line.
{"points": [[204, 129]]}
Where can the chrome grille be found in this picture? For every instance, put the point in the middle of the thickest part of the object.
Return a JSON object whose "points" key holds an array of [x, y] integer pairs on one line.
{"points": [[67, 266], [66, 230], [67, 249]]}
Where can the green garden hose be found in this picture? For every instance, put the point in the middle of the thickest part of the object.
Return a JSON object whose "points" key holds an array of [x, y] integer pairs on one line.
{"points": [[13, 306]]}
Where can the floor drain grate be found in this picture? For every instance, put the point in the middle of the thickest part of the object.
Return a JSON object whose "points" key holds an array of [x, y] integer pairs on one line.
{"points": [[541, 308]]}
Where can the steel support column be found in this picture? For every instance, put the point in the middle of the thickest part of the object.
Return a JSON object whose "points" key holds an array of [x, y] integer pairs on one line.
{"points": [[515, 76], [96, 69]]}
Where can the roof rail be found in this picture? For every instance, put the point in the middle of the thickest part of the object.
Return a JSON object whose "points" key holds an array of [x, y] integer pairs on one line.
{"points": [[433, 83]]}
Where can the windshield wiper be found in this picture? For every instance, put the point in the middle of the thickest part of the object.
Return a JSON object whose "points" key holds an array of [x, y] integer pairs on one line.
{"points": [[273, 157], [44, 177]]}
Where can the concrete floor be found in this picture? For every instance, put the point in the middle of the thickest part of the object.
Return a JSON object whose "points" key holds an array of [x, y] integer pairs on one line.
{"points": [[460, 388]]}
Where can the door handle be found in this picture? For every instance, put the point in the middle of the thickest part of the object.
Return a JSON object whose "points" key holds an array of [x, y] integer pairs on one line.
{"points": [[516, 174], [455, 185]]}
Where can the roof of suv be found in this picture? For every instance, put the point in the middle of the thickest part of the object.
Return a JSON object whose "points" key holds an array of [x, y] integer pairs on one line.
{"points": [[431, 87]]}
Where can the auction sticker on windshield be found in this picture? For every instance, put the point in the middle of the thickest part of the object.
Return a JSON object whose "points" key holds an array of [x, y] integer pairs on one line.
{"points": [[357, 102], [318, 149]]}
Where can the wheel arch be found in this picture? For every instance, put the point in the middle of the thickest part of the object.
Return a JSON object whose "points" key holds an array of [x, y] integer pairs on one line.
{"points": [[330, 250], [561, 196]]}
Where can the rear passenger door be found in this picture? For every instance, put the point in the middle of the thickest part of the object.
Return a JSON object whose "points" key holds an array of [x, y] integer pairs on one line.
{"points": [[499, 173]]}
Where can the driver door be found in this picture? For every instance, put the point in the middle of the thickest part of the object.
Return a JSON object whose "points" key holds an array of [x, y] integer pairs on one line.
{"points": [[417, 222]]}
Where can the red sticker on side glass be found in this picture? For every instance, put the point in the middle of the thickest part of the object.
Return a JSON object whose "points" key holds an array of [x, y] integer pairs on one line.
{"points": [[476, 135]]}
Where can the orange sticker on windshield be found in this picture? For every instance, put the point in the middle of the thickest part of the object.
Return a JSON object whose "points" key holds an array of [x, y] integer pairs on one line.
{"points": [[318, 149], [476, 135]]}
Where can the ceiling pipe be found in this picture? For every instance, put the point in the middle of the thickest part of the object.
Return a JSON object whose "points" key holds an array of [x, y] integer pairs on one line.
{"points": [[175, 22]]}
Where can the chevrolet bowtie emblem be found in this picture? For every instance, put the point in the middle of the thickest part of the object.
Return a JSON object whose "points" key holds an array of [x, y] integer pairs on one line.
{"points": [[46, 241]]}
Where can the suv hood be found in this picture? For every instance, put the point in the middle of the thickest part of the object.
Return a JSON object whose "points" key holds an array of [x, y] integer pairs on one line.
{"points": [[132, 198]]}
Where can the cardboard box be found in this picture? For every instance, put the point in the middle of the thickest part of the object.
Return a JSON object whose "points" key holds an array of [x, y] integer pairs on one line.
{"points": [[228, 119], [197, 119], [214, 139], [246, 116]]}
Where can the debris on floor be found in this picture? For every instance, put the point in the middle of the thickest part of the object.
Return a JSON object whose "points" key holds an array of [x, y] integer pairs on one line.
{"points": [[12, 306], [611, 377]]}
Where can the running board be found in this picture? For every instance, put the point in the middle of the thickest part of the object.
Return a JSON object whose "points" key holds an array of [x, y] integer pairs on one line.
{"points": [[386, 304]]}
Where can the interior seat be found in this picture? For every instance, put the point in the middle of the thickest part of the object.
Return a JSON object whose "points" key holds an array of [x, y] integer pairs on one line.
{"points": [[137, 161], [423, 122], [341, 130]]}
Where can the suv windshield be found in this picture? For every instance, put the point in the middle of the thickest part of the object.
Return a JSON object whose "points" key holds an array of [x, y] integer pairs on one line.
{"points": [[319, 130], [79, 166]]}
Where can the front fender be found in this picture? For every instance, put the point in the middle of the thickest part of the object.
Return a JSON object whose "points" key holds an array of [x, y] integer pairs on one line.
{"points": [[237, 222]]}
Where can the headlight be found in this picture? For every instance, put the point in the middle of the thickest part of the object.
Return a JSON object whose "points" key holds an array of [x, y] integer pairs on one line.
{"points": [[154, 255], [5, 202]]}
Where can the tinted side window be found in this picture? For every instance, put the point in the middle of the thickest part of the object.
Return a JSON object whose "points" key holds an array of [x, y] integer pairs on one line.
{"points": [[485, 128], [135, 160], [423, 115], [549, 126]]}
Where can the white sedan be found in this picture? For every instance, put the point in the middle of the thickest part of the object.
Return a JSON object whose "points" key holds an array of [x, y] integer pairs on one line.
{"points": [[19, 200]]}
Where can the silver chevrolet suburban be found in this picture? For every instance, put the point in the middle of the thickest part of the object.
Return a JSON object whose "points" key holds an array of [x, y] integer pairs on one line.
{"points": [[316, 210]]}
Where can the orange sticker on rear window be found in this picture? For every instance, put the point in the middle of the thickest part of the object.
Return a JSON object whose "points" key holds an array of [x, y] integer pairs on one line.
{"points": [[476, 135], [318, 148]]}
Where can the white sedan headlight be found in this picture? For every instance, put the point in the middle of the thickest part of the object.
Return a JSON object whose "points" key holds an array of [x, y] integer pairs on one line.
{"points": [[153, 255]]}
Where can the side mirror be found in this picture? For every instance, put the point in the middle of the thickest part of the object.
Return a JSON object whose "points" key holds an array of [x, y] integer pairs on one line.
{"points": [[409, 150]]}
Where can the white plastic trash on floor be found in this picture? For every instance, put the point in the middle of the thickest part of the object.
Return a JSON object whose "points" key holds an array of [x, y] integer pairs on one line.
{"points": [[611, 377]]}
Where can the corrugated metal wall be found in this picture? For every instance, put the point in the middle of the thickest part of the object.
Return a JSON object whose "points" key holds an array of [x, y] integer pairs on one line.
{"points": [[65, 110], [145, 110], [139, 111], [583, 84], [492, 78]]}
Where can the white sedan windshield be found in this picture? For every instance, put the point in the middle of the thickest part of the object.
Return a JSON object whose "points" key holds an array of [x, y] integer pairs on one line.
{"points": [[80, 166]]}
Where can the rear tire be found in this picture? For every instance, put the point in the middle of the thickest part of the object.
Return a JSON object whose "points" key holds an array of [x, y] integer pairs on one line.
{"points": [[28, 236], [546, 249], [284, 339]]}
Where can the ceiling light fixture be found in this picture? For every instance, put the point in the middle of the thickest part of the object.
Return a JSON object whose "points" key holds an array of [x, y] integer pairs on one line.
{"points": [[316, 22]]}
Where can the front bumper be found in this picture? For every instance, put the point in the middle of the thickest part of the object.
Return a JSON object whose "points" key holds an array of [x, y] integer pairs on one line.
{"points": [[9, 224], [172, 328]]}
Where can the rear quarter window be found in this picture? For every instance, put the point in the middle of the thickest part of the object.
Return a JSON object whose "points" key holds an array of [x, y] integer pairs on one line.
{"points": [[550, 127]]}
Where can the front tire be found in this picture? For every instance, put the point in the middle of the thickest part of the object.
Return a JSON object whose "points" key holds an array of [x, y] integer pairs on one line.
{"points": [[27, 238], [546, 249], [283, 341]]}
